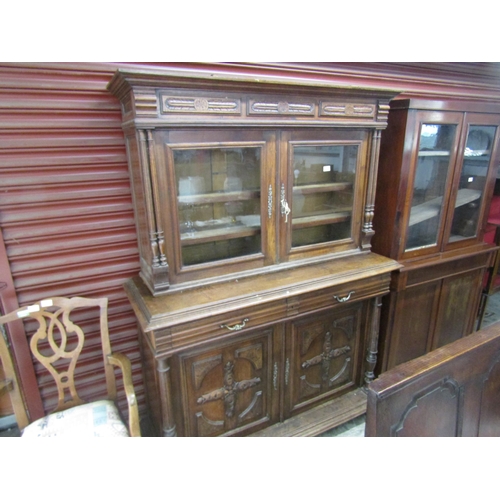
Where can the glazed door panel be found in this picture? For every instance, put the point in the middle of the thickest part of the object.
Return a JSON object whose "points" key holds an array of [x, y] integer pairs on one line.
{"points": [[475, 175], [216, 207], [321, 191], [231, 388], [430, 180], [322, 356]]}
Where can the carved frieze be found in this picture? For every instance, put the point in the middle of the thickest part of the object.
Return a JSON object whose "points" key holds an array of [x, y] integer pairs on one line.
{"points": [[280, 107], [348, 110], [199, 105]]}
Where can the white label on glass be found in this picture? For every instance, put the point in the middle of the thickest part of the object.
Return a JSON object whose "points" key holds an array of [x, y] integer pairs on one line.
{"points": [[33, 308], [327, 168], [46, 303]]}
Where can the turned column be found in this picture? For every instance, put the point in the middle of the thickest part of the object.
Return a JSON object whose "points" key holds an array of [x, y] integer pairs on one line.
{"points": [[167, 416], [372, 350]]}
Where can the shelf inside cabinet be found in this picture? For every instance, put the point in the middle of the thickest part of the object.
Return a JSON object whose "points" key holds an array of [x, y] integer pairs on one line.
{"points": [[432, 207], [221, 230], [433, 153], [219, 197], [322, 188], [319, 220]]}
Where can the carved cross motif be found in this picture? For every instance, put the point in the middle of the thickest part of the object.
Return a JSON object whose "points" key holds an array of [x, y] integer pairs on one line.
{"points": [[326, 356], [229, 391]]}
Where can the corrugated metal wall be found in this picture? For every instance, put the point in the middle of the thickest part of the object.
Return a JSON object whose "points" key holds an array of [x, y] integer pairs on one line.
{"points": [[65, 203]]}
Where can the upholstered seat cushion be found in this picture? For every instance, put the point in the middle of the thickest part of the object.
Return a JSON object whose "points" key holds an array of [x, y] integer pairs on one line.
{"points": [[97, 419]]}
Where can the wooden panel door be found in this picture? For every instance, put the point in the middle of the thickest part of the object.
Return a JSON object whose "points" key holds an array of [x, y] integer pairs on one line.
{"points": [[414, 320], [459, 303], [231, 388], [452, 391], [322, 356]]}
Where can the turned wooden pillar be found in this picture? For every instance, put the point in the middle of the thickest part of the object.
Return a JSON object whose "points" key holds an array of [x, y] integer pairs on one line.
{"points": [[168, 423], [372, 350]]}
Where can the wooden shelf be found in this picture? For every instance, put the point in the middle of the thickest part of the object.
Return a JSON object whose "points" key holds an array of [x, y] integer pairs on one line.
{"points": [[198, 236], [320, 220], [223, 197], [433, 153], [322, 188], [432, 208]]}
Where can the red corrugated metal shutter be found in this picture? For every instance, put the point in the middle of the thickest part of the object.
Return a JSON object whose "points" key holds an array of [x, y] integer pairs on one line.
{"points": [[65, 203]]}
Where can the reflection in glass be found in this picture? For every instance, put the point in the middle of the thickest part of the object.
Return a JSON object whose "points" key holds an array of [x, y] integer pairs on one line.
{"points": [[431, 174], [323, 193], [218, 200], [473, 174]]}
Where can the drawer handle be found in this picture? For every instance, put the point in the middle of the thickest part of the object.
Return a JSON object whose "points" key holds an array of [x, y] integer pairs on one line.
{"points": [[237, 327], [344, 299]]}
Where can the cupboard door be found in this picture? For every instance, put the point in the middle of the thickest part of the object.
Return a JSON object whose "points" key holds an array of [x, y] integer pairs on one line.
{"points": [[475, 176], [430, 180], [230, 389], [322, 191], [459, 302], [214, 190], [415, 312], [322, 356]]}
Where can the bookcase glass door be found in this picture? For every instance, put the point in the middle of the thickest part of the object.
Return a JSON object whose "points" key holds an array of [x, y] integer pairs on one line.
{"points": [[473, 175], [430, 183], [323, 193], [218, 201]]}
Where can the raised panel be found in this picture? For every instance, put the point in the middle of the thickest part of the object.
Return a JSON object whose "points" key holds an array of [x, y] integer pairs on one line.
{"points": [[490, 401], [432, 412], [229, 388], [458, 305], [414, 322], [323, 356]]}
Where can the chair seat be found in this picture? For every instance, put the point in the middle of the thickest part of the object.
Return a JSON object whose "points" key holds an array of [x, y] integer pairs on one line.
{"points": [[96, 419]]}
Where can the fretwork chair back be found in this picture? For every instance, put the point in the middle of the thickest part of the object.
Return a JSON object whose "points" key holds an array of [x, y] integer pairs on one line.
{"points": [[57, 344]]}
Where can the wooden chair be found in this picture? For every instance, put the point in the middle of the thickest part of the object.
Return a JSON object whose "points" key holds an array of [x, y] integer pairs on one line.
{"points": [[57, 345]]}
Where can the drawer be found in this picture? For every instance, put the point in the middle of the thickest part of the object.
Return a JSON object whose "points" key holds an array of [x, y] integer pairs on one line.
{"points": [[338, 295], [223, 325]]}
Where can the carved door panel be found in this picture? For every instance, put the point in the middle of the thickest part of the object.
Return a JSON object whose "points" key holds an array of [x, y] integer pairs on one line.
{"points": [[322, 356], [230, 389]]}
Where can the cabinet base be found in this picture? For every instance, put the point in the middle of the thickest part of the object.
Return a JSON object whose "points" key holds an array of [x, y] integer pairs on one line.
{"points": [[320, 419]]}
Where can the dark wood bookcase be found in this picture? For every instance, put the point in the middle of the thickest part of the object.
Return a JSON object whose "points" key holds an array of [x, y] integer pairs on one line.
{"points": [[438, 164], [259, 296]]}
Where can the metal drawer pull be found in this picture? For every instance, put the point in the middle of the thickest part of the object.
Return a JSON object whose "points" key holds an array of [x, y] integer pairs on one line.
{"points": [[344, 299], [237, 327]]}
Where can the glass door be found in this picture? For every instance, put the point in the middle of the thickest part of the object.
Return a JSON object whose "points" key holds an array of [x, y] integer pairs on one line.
{"points": [[218, 202], [473, 175], [321, 201], [430, 181], [216, 207]]}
